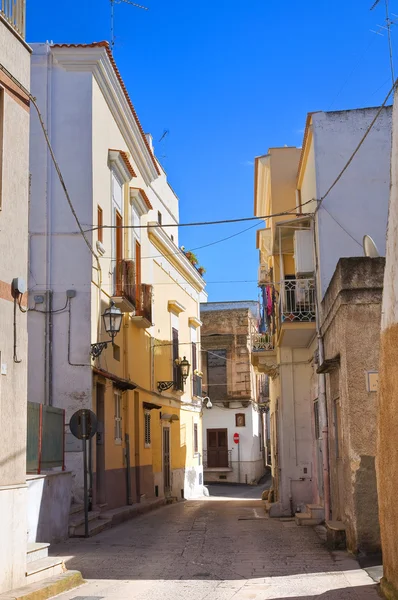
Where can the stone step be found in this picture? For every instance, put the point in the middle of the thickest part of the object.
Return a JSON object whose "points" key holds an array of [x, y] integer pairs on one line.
{"points": [[35, 551], [46, 588], [94, 527], [44, 568], [316, 510], [335, 535], [77, 519], [75, 508], [306, 519]]}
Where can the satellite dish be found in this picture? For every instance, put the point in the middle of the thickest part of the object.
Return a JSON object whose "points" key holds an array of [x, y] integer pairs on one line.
{"points": [[369, 247]]}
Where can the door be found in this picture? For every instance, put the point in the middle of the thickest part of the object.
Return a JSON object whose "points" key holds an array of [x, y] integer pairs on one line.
{"points": [[166, 460], [119, 255], [100, 446], [217, 448]]}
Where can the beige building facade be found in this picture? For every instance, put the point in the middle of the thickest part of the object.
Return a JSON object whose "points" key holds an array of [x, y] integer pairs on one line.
{"points": [[14, 195]]}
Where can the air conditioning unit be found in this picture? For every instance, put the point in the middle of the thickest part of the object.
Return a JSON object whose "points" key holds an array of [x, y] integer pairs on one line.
{"points": [[303, 252]]}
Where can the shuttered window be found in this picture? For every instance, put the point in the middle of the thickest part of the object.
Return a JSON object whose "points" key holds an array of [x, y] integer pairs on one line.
{"points": [[147, 426], [195, 439], [118, 416]]}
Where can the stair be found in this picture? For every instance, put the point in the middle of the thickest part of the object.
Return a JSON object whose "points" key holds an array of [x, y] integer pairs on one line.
{"points": [[77, 519], [39, 565], [313, 516], [95, 526]]}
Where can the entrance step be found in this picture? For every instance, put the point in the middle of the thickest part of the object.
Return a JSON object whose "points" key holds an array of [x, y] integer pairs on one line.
{"points": [[171, 499], [335, 535], [316, 510], [77, 519], [43, 568], [47, 588], [75, 508], [35, 551], [306, 519], [94, 527]]}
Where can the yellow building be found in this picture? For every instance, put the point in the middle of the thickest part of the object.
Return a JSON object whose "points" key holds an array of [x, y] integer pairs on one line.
{"points": [[283, 349]]}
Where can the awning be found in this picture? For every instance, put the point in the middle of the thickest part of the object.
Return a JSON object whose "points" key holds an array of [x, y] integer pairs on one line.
{"points": [[122, 384], [151, 406]]}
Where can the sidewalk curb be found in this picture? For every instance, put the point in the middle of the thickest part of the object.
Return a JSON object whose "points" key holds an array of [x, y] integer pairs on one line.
{"points": [[47, 588]]}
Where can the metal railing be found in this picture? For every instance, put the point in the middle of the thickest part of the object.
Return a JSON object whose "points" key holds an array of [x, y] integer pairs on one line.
{"points": [[222, 461], [14, 11], [45, 446], [143, 307], [261, 342], [297, 300], [125, 281]]}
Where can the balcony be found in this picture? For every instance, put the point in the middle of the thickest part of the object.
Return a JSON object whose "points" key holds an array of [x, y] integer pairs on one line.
{"points": [[297, 312], [14, 11], [143, 309], [125, 288]]}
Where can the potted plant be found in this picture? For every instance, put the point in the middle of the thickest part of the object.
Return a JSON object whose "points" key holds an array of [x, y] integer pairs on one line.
{"points": [[201, 271], [193, 259]]}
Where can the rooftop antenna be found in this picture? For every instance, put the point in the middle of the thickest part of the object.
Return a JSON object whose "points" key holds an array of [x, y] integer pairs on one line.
{"points": [[113, 2], [387, 27], [163, 139]]}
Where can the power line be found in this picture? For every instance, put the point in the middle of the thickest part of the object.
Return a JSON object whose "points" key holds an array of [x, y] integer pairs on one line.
{"points": [[201, 223], [342, 227]]}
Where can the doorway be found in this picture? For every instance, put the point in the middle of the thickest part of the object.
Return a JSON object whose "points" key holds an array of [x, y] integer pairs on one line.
{"points": [[166, 461], [100, 446], [217, 448]]}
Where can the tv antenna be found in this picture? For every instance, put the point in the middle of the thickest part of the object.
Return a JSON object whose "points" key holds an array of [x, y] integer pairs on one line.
{"points": [[162, 140], [387, 27], [113, 2]]}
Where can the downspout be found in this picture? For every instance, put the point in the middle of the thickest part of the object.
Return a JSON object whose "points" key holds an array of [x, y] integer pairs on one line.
{"points": [[322, 402]]}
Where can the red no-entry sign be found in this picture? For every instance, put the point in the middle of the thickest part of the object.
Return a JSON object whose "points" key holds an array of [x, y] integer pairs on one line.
{"points": [[236, 438]]}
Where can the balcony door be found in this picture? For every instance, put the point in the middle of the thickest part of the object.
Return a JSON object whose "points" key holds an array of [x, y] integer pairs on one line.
{"points": [[119, 254], [217, 448]]}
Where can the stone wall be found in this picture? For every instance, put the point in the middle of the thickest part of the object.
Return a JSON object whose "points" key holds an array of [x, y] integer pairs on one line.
{"points": [[350, 324]]}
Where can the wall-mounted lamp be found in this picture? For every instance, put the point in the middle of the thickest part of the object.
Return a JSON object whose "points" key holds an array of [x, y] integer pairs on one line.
{"points": [[183, 366], [112, 318], [207, 402]]}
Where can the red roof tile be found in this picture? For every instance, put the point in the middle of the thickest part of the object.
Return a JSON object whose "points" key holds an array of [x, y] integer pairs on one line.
{"points": [[126, 161], [145, 197], [105, 45]]}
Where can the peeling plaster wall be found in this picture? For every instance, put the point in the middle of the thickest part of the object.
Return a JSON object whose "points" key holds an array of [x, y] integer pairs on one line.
{"points": [[351, 311]]}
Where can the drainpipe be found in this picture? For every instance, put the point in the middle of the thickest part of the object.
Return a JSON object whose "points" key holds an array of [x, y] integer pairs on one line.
{"points": [[322, 402]]}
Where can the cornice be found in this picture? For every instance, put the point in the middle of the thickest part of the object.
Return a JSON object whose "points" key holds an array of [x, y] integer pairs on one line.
{"points": [[140, 201], [195, 322], [117, 161], [96, 61], [175, 307], [175, 256]]}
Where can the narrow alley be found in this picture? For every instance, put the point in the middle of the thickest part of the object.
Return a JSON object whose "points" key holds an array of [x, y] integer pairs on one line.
{"points": [[221, 547]]}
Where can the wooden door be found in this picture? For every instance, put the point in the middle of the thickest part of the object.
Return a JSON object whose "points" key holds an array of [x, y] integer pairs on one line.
{"points": [[100, 446], [166, 460], [138, 276], [217, 448], [119, 254]]}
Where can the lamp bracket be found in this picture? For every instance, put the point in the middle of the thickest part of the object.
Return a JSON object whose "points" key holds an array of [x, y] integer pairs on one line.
{"points": [[164, 385], [96, 349]]}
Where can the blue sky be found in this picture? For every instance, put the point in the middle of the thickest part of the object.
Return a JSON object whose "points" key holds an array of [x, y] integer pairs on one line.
{"points": [[229, 79]]}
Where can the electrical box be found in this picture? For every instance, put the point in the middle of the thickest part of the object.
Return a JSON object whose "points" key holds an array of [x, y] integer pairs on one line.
{"points": [[303, 252]]}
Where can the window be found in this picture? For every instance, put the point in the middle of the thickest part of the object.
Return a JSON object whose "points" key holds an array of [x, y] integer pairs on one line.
{"points": [[195, 439], [118, 416], [217, 374], [176, 370], [118, 254], [240, 420], [159, 217], [116, 352], [147, 427], [217, 448], [100, 224]]}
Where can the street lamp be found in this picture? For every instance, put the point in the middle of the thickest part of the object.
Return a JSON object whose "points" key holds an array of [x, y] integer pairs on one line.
{"points": [[112, 318], [183, 367]]}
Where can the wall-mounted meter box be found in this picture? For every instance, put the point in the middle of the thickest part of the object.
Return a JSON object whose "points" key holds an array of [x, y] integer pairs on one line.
{"points": [[303, 252]]}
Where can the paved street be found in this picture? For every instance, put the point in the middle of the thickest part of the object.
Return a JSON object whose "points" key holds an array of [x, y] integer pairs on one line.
{"points": [[217, 548]]}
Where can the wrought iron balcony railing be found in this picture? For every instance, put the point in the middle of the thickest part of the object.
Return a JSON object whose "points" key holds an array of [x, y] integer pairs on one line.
{"points": [[125, 282], [143, 306], [262, 342], [217, 459], [14, 11], [297, 300]]}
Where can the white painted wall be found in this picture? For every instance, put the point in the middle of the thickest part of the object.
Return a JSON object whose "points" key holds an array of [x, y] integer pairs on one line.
{"points": [[359, 201], [251, 458]]}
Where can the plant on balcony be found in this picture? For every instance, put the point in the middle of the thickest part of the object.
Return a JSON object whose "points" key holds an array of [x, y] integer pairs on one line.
{"points": [[193, 259], [201, 271]]}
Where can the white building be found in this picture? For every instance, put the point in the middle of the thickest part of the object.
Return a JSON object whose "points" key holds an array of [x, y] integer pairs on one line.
{"points": [[236, 407], [14, 195]]}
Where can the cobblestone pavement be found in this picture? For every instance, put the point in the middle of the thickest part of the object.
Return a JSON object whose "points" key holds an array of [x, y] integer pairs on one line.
{"points": [[215, 549]]}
